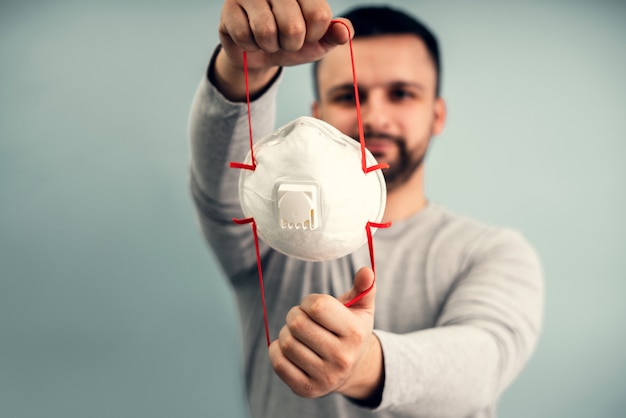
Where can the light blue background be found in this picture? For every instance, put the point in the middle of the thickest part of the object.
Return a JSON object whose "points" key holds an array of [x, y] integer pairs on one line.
{"points": [[110, 304]]}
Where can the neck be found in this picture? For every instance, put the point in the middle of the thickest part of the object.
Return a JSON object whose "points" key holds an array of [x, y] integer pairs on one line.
{"points": [[407, 199]]}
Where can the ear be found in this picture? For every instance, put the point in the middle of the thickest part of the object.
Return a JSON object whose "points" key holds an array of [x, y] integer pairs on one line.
{"points": [[440, 116], [315, 109]]}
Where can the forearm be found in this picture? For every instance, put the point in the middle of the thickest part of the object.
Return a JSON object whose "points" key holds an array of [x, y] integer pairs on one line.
{"points": [[445, 371], [218, 132], [484, 335]]}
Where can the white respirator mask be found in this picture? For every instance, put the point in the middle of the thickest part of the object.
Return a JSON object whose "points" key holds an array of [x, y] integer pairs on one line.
{"points": [[308, 193]]}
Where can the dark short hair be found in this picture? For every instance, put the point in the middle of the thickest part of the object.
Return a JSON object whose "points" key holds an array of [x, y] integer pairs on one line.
{"points": [[384, 20]]}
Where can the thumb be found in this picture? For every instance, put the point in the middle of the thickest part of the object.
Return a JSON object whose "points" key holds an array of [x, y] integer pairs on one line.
{"points": [[363, 292], [339, 32]]}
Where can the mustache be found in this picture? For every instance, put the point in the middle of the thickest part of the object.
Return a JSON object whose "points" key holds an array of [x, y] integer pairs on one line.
{"points": [[379, 136]]}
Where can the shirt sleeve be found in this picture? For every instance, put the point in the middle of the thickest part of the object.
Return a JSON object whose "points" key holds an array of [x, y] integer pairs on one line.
{"points": [[487, 330], [219, 134]]}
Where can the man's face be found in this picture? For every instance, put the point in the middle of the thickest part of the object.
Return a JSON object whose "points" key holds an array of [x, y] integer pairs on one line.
{"points": [[399, 108]]}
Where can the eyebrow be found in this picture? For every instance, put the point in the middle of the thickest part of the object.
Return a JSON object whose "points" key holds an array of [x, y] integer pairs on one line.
{"points": [[412, 84]]}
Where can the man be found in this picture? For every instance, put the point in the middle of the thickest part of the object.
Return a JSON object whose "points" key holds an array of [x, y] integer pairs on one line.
{"points": [[457, 309]]}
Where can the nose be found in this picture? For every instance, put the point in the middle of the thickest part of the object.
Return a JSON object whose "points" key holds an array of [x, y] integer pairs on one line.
{"points": [[375, 112]]}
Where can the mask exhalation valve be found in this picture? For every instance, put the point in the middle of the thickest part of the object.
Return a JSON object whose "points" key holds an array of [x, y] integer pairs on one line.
{"points": [[298, 205]]}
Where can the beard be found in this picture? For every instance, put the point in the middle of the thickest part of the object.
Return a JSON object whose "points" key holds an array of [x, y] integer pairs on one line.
{"points": [[404, 166]]}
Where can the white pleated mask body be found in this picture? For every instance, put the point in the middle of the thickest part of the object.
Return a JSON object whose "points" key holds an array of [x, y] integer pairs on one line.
{"points": [[308, 194]]}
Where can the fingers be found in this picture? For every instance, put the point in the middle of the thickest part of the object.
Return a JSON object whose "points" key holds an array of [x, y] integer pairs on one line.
{"points": [[312, 383], [291, 374], [317, 337], [290, 24], [276, 25], [298, 352], [234, 28], [328, 312], [307, 357], [317, 15], [297, 364], [263, 26]]}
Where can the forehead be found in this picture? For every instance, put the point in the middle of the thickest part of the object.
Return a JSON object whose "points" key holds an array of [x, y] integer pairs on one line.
{"points": [[379, 60]]}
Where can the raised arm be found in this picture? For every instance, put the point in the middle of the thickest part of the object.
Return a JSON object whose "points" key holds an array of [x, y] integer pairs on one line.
{"points": [[273, 37]]}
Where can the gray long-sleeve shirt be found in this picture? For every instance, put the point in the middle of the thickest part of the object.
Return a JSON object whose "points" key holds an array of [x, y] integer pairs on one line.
{"points": [[458, 307]]}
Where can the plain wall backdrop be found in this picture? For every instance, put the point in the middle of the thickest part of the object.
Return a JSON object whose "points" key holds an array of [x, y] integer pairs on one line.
{"points": [[112, 306]]}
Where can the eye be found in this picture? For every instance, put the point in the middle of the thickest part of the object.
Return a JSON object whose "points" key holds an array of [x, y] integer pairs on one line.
{"points": [[399, 94], [343, 97]]}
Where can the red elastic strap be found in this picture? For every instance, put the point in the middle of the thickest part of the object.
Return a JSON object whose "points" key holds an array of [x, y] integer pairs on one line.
{"points": [[370, 245], [259, 269], [242, 165], [368, 226], [357, 103]]}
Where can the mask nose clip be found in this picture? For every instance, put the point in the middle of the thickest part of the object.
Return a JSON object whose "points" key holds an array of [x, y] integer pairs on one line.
{"points": [[298, 205]]}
